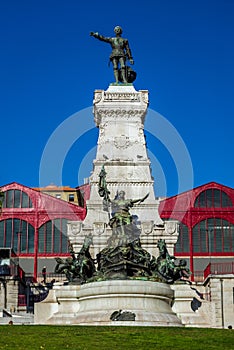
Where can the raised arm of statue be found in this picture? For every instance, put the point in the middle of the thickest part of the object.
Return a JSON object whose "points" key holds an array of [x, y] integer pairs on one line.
{"points": [[100, 37], [140, 200]]}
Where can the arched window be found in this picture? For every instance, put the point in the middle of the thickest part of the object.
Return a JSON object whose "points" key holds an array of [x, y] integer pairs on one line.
{"points": [[16, 199], [182, 244], [213, 235], [53, 237], [213, 198], [17, 234]]}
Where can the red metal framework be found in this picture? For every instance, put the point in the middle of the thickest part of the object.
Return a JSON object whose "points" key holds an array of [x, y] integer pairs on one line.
{"points": [[35, 208], [208, 214], [182, 206], [219, 269]]}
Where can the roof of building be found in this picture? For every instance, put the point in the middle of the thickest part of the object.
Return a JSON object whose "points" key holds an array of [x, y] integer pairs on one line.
{"points": [[52, 207], [53, 188], [178, 206], [193, 193]]}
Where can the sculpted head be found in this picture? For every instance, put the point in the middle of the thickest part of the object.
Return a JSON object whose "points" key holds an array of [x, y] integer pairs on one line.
{"points": [[121, 194], [118, 30]]}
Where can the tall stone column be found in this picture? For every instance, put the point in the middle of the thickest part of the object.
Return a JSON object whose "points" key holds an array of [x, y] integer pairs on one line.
{"points": [[119, 113]]}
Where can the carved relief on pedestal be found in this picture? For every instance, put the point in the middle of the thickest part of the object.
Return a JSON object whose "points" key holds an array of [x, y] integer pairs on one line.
{"points": [[147, 227], [121, 142], [121, 96], [101, 138], [141, 134], [74, 228], [171, 227], [99, 228], [118, 113], [97, 96], [145, 96]]}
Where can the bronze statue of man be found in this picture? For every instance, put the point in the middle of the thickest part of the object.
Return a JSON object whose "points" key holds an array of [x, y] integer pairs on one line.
{"points": [[120, 52]]}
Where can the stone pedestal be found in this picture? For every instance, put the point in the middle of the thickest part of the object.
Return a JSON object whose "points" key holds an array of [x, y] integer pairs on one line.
{"points": [[149, 301], [94, 303], [184, 297], [119, 113], [60, 307]]}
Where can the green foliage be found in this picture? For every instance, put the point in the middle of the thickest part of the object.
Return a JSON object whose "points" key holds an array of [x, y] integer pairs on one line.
{"points": [[113, 338]]}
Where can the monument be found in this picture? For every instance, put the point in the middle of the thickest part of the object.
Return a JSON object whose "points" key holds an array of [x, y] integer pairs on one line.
{"points": [[122, 265]]}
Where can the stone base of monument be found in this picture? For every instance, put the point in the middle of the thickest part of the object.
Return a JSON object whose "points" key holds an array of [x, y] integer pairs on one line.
{"points": [[60, 307], [148, 303], [113, 302], [192, 309]]}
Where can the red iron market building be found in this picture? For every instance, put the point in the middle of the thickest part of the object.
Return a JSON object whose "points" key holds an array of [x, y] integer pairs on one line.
{"points": [[206, 216], [34, 225]]}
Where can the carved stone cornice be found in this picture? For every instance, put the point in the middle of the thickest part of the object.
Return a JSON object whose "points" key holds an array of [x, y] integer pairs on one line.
{"points": [[118, 113], [106, 103], [131, 183], [123, 96]]}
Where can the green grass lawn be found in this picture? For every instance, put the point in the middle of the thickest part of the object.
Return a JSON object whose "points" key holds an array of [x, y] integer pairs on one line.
{"points": [[111, 338]]}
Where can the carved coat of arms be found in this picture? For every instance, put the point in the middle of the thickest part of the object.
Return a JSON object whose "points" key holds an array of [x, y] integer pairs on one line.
{"points": [[170, 227], [99, 228], [121, 142], [75, 228], [147, 227]]}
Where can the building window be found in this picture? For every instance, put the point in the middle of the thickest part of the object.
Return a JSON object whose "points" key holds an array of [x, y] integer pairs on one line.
{"points": [[58, 195], [213, 198], [53, 237], [17, 234], [213, 235], [16, 199], [182, 244], [71, 197]]}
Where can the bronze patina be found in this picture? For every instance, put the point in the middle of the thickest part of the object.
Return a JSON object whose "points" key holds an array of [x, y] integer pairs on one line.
{"points": [[123, 257], [121, 52], [77, 268]]}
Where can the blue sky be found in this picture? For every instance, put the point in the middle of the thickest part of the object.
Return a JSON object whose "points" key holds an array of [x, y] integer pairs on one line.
{"points": [[50, 66]]}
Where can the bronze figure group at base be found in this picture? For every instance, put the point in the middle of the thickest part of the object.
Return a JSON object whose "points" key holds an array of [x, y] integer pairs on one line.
{"points": [[128, 261], [77, 268], [123, 257]]}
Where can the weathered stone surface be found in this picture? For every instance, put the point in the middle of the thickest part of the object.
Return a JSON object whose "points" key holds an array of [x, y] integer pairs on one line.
{"points": [[119, 113], [94, 303]]}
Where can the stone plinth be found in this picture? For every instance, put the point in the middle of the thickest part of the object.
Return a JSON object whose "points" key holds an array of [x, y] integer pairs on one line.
{"points": [[59, 307], [94, 303], [184, 296], [149, 301]]}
